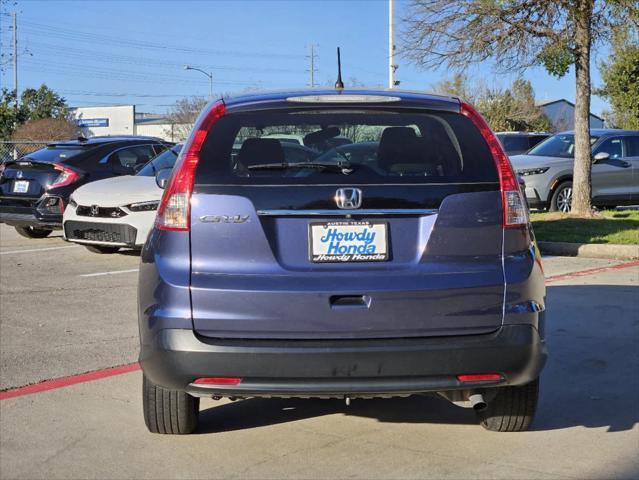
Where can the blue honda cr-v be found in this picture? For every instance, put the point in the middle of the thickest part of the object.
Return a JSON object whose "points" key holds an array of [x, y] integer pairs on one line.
{"points": [[410, 270]]}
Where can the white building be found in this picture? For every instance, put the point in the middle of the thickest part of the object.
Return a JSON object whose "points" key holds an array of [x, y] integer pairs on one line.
{"points": [[124, 120]]}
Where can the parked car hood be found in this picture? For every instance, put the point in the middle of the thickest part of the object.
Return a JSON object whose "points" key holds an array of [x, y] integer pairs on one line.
{"points": [[116, 191], [521, 162]]}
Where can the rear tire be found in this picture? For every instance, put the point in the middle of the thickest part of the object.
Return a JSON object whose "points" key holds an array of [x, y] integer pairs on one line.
{"points": [[512, 409], [33, 232], [172, 412], [561, 200], [100, 249]]}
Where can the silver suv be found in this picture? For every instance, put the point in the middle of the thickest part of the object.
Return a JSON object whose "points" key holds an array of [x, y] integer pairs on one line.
{"points": [[547, 169]]}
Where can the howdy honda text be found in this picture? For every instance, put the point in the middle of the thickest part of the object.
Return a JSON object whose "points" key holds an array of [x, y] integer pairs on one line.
{"points": [[348, 242]]}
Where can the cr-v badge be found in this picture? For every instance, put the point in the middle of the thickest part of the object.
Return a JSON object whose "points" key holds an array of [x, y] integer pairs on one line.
{"points": [[348, 198], [224, 218]]}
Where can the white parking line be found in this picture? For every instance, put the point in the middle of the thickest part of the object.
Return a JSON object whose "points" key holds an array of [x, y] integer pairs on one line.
{"points": [[34, 250], [114, 272]]}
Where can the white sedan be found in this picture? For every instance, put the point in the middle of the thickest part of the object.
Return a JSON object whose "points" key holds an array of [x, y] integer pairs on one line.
{"points": [[117, 212]]}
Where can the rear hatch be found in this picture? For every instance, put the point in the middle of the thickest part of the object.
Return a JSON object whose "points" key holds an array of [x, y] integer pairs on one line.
{"points": [[402, 241], [27, 179]]}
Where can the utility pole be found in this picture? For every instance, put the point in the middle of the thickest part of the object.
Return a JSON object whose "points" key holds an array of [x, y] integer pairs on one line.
{"points": [[312, 56], [392, 67], [15, 57]]}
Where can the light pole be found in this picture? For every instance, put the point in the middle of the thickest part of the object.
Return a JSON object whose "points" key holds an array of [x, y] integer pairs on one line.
{"points": [[210, 75]]}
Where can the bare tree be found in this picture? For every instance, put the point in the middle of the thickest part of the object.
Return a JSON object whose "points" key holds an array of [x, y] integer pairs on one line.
{"points": [[505, 110], [460, 86], [518, 34], [183, 115]]}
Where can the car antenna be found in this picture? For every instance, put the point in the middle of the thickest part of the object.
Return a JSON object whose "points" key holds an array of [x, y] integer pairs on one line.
{"points": [[339, 85]]}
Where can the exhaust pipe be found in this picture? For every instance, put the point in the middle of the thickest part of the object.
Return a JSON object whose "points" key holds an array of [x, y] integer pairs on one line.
{"points": [[477, 402]]}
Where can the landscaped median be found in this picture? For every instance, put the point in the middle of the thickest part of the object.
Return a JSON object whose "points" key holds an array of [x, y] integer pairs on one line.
{"points": [[609, 234]]}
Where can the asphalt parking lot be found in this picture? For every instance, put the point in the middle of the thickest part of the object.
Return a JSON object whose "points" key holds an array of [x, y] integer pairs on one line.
{"points": [[65, 311]]}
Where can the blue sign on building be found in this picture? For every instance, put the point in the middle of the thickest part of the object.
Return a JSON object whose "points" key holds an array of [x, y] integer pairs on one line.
{"points": [[93, 122]]}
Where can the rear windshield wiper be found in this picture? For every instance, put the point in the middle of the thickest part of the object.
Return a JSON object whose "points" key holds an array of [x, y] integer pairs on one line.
{"points": [[342, 167]]}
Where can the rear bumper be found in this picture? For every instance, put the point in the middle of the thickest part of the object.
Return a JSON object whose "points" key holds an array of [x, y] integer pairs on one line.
{"points": [[174, 358], [29, 212], [30, 220]]}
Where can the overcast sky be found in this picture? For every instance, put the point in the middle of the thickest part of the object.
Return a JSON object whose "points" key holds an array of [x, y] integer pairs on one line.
{"points": [[133, 52]]}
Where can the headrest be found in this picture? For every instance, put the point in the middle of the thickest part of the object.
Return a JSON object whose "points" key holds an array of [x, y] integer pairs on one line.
{"points": [[395, 146], [255, 151]]}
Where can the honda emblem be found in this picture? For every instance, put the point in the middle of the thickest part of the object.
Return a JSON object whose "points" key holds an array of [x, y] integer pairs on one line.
{"points": [[348, 198]]}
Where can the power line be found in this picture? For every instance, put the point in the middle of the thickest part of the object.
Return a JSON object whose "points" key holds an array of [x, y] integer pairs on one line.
{"points": [[68, 34], [123, 74], [92, 55]]}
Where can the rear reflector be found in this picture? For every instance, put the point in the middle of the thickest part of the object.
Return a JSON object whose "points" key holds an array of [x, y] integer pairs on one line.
{"points": [[218, 381], [480, 377], [514, 205]]}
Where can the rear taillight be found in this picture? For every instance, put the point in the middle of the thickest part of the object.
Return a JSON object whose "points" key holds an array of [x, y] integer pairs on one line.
{"points": [[514, 206], [67, 177], [174, 211]]}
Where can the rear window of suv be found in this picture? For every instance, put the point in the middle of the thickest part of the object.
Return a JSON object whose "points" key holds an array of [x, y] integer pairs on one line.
{"points": [[383, 147]]}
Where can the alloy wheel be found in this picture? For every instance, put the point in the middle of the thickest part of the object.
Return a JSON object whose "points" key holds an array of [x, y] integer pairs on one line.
{"points": [[564, 199]]}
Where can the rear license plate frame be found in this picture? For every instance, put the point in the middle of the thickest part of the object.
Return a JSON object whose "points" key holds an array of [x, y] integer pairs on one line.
{"points": [[374, 226], [20, 186]]}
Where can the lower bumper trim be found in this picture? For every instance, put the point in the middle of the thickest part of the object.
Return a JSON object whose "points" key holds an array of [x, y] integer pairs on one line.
{"points": [[175, 358], [28, 220]]}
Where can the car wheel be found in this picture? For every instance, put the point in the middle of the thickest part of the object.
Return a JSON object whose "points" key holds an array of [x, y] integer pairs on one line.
{"points": [[168, 411], [512, 409], [562, 198], [101, 249], [33, 232]]}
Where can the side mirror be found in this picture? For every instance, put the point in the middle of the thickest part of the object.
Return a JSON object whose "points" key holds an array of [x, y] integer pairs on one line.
{"points": [[162, 177], [522, 181], [601, 156]]}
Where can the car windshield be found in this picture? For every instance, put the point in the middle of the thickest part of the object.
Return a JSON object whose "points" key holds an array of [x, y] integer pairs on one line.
{"points": [[164, 160], [562, 145]]}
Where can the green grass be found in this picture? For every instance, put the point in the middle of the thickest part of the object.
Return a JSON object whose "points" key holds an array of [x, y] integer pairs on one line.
{"points": [[620, 228]]}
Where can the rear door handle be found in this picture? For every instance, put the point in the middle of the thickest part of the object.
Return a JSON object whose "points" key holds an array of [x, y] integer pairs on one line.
{"points": [[349, 301]]}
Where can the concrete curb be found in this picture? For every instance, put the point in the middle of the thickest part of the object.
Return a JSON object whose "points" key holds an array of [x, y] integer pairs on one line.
{"points": [[591, 250]]}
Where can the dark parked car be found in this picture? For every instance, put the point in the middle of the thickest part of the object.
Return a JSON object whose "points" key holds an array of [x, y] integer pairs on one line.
{"points": [[515, 143], [413, 272], [35, 188]]}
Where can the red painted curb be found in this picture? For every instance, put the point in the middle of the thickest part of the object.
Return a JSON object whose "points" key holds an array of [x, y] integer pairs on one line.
{"points": [[131, 367], [592, 271], [70, 380]]}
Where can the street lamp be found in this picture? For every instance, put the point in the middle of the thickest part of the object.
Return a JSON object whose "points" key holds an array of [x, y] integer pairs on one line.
{"points": [[210, 75]]}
